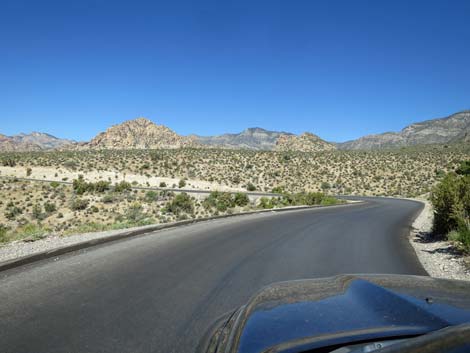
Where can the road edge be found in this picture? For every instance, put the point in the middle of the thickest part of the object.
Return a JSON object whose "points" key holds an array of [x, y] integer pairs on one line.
{"points": [[137, 231]]}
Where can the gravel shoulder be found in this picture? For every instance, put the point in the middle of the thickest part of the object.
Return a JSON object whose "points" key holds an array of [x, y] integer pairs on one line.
{"points": [[440, 258]]}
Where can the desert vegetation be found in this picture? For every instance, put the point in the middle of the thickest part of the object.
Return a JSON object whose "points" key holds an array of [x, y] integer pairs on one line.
{"points": [[88, 190], [401, 172], [451, 202]]}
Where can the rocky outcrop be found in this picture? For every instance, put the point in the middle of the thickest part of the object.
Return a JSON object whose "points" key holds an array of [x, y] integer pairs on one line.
{"points": [[306, 142], [139, 133]]}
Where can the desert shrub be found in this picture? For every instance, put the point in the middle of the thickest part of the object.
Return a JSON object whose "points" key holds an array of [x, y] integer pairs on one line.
{"points": [[80, 186], [3, 233], [162, 184], [70, 164], [8, 162], [277, 190], [135, 213], [250, 187], [156, 156], [451, 202], [182, 183], [78, 204], [122, 186], [181, 203], [54, 184], [12, 211], [265, 202], [102, 186], [151, 196], [443, 198], [108, 198], [219, 200], [37, 212], [50, 207], [241, 199], [28, 171], [463, 168]]}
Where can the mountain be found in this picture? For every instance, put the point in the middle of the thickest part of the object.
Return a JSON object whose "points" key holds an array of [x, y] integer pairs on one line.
{"points": [[35, 141], [454, 128], [43, 140], [139, 133], [306, 142], [252, 138]]}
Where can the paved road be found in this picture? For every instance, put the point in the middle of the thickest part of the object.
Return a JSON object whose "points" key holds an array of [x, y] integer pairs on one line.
{"points": [[158, 293]]}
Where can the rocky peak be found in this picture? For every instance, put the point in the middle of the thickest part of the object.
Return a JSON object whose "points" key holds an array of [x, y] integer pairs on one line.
{"points": [[306, 142], [139, 133]]}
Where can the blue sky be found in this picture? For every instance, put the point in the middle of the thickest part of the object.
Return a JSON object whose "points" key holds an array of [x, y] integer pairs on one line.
{"points": [[340, 69]]}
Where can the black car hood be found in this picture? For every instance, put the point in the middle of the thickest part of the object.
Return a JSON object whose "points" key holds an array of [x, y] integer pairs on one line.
{"points": [[308, 314]]}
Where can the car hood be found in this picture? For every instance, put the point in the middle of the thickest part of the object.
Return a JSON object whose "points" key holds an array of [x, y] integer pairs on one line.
{"points": [[305, 314]]}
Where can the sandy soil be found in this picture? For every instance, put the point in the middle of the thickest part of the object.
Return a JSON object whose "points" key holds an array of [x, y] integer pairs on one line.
{"points": [[59, 174]]}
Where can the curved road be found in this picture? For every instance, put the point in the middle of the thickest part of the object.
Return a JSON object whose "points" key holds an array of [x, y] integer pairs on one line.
{"points": [[159, 293]]}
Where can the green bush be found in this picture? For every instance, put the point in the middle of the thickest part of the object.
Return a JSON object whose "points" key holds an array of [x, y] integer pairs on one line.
{"points": [[181, 203], [12, 211], [108, 198], [464, 168], [451, 202], [219, 200], [37, 212], [265, 202], [122, 186], [8, 162], [250, 187], [182, 183], [241, 199], [135, 213], [443, 199], [78, 204], [151, 196], [102, 186], [162, 184], [50, 207], [80, 186], [3, 233]]}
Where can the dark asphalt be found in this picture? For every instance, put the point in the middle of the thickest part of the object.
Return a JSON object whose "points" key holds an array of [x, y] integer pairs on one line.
{"points": [[159, 293]]}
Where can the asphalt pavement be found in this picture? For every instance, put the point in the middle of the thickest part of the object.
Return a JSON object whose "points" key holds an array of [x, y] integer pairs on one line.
{"points": [[160, 292]]}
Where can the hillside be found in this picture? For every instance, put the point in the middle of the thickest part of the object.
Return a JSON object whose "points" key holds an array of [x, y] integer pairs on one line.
{"points": [[139, 133], [306, 142], [36, 141], [454, 128]]}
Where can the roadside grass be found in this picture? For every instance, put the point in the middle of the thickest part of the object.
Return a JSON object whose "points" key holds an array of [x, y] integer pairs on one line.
{"points": [[28, 232]]}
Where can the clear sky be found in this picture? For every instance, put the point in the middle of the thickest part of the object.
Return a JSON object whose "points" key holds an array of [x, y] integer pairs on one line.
{"points": [[339, 69]]}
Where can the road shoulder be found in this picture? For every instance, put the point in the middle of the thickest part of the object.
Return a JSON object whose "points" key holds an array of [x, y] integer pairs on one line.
{"points": [[440, 258]]}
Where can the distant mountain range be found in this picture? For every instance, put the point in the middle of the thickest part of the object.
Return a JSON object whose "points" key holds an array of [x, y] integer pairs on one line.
{"points": [[35, 141], [454, 128], [143, 133], [254, 138]]}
